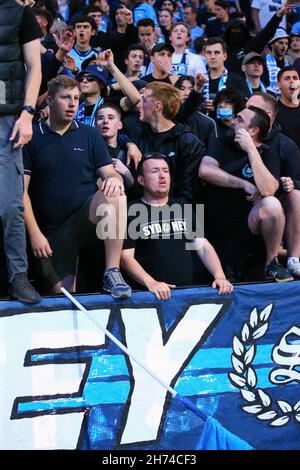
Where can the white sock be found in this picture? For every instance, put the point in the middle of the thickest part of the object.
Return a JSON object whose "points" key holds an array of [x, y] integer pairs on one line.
{"points": [[292, 259]]}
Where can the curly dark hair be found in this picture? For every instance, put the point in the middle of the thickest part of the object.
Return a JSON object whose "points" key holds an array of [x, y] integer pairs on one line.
{"points": [[231, 96]]}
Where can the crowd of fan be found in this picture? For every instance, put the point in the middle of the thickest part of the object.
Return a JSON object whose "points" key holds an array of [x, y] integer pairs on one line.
{"points": [[192, 102]]}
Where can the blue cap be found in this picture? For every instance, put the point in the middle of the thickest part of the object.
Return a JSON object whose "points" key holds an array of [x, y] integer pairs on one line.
{"points": [[97, 71]]}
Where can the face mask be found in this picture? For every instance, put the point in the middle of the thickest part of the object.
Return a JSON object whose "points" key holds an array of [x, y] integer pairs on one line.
{"points": [[224, 113]]}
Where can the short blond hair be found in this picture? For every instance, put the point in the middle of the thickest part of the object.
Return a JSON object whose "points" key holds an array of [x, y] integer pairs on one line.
{"points": [[169, 97]]}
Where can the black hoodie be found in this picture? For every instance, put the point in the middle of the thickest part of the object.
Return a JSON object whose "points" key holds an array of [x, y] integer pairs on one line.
{"points": [[183, 151], [238, 46]]}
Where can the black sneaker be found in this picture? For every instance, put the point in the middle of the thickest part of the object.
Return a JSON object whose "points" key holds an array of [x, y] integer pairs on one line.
{"points": [[114, 283], [277, 272], [22, 290]]}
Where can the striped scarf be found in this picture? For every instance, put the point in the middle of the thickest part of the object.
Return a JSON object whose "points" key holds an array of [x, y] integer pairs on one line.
{"points": [[221, 84], [88, 120], [273, 70]]}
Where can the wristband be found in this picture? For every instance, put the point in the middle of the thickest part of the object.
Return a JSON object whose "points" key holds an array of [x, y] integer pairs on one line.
{"points": [[29, 109]]}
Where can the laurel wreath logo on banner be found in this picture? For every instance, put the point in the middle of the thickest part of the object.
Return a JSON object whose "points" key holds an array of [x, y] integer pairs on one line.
{"points": [[277, 412]]}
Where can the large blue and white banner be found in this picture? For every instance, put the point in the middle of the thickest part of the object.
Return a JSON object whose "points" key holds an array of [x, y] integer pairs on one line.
{"points": [[64, 385]]}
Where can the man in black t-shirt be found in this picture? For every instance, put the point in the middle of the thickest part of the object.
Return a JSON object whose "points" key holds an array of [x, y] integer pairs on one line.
{"points": [[243, 177], [217, 27], [289, 156], [289, 105], [62, 203], [218, 76], [155, 253], [20, 47]]}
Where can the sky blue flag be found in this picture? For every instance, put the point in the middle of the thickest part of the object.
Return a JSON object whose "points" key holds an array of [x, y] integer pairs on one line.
{"points": [[214, 436]]}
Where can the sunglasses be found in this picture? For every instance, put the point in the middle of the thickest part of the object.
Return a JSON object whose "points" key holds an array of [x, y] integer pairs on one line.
{"points": [[153, 155], [88, 78]]}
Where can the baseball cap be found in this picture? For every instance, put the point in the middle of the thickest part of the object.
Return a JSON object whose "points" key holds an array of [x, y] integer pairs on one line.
{"points": [[250, 56], [161, 47], [280, 33], [97, 71], [139, 84]]}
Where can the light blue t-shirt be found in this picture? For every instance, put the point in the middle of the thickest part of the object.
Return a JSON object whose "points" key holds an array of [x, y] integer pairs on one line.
{"points": [[144, 10], [196, 32], [80, 57]]}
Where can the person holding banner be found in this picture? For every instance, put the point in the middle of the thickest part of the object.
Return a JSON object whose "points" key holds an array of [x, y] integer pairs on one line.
{"points": [[62, 203], [161, 240]]}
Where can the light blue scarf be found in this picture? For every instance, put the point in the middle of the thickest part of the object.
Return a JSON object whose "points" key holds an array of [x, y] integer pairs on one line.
{"points": [[273, 70], [221, 84], [88, 120]]}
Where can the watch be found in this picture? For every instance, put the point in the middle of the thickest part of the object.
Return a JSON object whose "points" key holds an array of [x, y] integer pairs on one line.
{"points": [[29, 109]]}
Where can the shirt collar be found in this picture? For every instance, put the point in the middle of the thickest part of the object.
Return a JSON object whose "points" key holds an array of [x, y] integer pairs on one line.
{"points": [[46, 129]]}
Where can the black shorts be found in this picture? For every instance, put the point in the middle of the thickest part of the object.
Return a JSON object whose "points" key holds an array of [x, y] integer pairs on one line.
{"points": [[234, 244], [238, 239], [250, 243], [66, 242]]}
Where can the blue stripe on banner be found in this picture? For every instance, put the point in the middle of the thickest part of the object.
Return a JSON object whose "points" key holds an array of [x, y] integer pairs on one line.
{"points": [[114, 364], [103, 393], [214, 384], [108, 381]]}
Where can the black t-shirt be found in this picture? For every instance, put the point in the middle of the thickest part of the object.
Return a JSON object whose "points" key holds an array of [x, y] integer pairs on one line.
{"points": [[289, 120], [49, 43], [29, 29], [280, 62], [289, 155], [215, 28], [114, 152], [250, 91], [227, 208], [233, 81], [161, 246], [63, 170], [132, 124], [88, 109], [204, 17], [149, 79], [213, 85]]}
